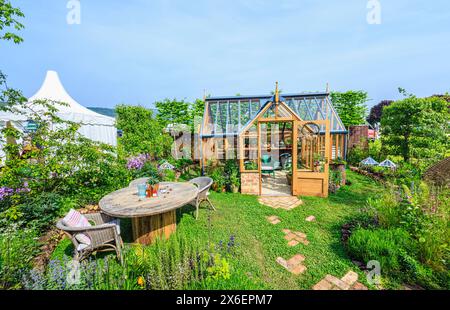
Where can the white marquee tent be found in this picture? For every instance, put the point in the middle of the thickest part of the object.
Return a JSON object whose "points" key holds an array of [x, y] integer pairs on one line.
{"points": [[94, 126]]}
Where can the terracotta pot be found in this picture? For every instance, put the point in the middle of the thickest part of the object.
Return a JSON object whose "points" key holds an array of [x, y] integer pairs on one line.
{"points": [[155, 189], [341, 168], [149, 191]]}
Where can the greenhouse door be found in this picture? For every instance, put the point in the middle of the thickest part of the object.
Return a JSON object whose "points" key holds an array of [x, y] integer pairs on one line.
{"points": [[310, 162], [275, 157]]}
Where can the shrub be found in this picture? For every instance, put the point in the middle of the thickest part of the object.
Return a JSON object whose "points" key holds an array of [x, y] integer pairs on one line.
{"points": [[169, 176], [383, 245], [142, 133], [422, 213], [167, 264], [220, 179], [17, 249], [42, 209]]}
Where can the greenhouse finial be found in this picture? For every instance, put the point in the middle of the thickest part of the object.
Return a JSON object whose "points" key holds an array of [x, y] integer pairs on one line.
{"points": [[328, 87], [277, 94]]}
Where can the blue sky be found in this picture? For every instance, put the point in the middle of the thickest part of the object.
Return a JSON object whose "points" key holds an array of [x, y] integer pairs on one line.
{"points": [[138, 51]]}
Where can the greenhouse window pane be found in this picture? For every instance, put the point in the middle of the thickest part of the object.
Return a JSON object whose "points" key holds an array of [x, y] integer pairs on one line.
{"points": [[245, 112]]}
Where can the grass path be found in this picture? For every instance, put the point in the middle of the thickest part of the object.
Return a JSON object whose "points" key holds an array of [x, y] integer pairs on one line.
{"points": [[259, 243]]}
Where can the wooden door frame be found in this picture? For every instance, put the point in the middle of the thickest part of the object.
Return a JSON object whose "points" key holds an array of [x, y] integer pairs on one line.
{"points": [[266, 121], [295, 170]]}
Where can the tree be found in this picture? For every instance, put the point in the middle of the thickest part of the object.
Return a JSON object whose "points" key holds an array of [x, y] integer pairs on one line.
{"points": [[197, 109], [171, 112], [9, 18], [142, 132], [377, 111], [351, 106], [416, 128], [177, 113]]}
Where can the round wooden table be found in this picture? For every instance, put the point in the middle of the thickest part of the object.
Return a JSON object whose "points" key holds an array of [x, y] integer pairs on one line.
{"points": [[152, 218]]}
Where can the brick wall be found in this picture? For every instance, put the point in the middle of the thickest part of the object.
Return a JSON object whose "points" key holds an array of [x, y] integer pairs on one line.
{"points": [[358, 137], [250, 183]]}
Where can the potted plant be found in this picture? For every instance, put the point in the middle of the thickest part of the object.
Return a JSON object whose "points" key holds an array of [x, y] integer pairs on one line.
{"points": [[335, 181], [251, 166], [319, 162], [235, 182], [218, 175], [339, 164], [153, 184]]}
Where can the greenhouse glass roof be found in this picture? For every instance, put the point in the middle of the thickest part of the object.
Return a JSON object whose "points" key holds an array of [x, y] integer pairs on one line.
{"points": [[227, 116]]}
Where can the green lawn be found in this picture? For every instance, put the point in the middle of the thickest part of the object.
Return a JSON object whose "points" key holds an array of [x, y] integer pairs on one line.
{"points": [[260, 243]]}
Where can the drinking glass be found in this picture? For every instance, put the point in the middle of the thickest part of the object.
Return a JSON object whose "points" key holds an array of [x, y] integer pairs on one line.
{"points": [[142, 191]]}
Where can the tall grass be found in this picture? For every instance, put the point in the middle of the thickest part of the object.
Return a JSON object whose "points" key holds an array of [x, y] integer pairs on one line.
{"points": [[418, 213]]}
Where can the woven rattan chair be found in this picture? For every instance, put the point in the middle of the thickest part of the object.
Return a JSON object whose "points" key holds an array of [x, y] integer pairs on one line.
{"points": [[203, 184], [104, 236]]}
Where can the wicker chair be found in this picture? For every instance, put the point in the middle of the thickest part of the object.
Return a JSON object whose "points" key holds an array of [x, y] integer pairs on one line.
{"points": [[104, 236], [203, 184]]}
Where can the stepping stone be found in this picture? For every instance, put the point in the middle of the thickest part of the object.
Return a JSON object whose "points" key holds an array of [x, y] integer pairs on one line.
{"points": [[300, 235], [273, 220], [282, 262], [290, 236], [310, 218], [295, 237], [323, 285], [337, 282], [347, 282], [286, 203], [298, 270], [296, 260], [350, 278], [293, 243], [359, 287], [293, 265]]}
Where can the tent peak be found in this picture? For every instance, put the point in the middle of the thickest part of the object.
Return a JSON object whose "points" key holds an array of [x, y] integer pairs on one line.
{"points": [[52, 89]]}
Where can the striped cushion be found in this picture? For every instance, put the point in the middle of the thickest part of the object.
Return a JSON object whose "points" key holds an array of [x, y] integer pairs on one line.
{"points": [[77, 220]]}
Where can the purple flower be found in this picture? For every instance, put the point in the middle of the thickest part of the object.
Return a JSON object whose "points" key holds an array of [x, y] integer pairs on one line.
{"points": [[137, 162], [5, 192]]}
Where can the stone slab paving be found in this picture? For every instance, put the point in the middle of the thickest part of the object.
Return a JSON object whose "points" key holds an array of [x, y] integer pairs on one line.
{"points": [[347, 282], [295, 237], [294, 265], [274, 219], [310, 218], [281, 202]]}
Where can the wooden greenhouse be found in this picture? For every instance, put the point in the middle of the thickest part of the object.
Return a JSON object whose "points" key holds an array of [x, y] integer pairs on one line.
{"points": [[284, 144]]}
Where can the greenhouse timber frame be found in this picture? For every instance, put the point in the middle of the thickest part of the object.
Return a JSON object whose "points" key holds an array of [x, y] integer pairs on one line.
{"points": [[299, 134]]}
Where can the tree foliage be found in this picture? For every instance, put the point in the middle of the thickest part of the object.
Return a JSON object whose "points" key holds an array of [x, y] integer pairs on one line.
{"points": [[9, 18], [175, 112], [142, 132], [351, 106], [377, 111], [416, 128]]}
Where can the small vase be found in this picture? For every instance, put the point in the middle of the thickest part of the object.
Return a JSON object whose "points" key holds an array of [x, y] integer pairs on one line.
{"points": [[155, 190], [149, 191]]}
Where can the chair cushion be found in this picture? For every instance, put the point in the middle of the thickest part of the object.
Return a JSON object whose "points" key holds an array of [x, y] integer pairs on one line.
{"points": [[77, 220], [267, 168]]}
